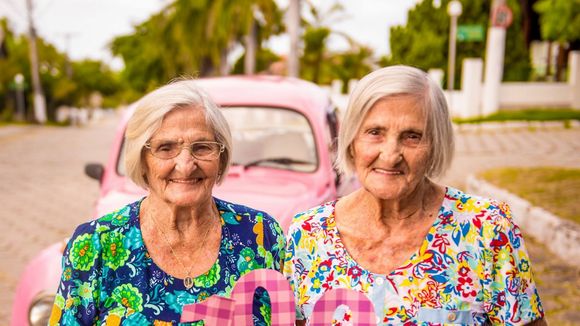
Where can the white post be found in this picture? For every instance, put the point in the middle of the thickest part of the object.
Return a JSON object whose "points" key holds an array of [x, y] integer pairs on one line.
{"points": [[574, 81], [437, 75], [472, 73], [500, 19], [454, 10], [39, 100], [494, 54]]}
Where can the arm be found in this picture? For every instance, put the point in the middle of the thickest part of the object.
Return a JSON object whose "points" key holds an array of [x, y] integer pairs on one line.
{"points": [[289, 270], [75, 300], [514, 293]]}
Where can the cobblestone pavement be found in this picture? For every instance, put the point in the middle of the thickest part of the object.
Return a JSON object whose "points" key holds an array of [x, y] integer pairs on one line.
{"points": [[44, 194]]}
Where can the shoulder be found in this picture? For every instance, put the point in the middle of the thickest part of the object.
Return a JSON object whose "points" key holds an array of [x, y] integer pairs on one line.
{"points": [[313, 220], [112, 221], [116, 221], [487, 213], [244, 216]]}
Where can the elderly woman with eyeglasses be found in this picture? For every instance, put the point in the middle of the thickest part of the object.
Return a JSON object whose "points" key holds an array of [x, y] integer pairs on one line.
{"points": [[178, 245], [423, 253]]}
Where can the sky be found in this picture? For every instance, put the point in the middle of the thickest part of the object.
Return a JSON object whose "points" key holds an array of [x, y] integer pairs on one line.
{"points": [[84, 28]]}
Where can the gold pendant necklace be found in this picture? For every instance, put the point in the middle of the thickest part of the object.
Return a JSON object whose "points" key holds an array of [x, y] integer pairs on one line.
{"points": [[188, 280]]}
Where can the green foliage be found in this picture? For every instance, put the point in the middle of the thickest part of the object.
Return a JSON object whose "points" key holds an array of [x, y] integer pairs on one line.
{"points": [[351, 65], [264, 58], [314, 51], [555, 189], [560, 19], [63, 82], [191, 38], [424, 41], [526, 115], [320, 65]]}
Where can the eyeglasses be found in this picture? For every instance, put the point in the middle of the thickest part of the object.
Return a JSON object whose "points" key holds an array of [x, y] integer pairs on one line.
{"points": [[201, 150]]}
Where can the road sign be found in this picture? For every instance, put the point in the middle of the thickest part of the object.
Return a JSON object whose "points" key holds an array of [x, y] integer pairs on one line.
{"points": [[501, 16], [470, 33]]}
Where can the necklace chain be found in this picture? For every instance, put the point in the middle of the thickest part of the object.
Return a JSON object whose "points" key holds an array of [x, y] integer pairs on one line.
{"points": [[188, 280]]}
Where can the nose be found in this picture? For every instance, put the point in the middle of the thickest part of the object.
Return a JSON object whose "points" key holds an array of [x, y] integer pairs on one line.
{"points": [[391, 150], [185, 162]]}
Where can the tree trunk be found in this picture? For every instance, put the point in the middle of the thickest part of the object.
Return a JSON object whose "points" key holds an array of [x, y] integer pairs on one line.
{"points": [[250, 57], [294, 32], [561, 62]]}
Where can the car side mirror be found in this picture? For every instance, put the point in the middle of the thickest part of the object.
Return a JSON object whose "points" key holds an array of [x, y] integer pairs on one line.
{"points": [[95, 171]]}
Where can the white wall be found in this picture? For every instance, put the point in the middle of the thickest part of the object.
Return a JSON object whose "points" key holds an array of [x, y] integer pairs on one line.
{"points": [[537, 94]]}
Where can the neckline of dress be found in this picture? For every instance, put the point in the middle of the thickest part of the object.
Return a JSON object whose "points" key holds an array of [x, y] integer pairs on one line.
{"points": [[157, 267], [340, 245]]}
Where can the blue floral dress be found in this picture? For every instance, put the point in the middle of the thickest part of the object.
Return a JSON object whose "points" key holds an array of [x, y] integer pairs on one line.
{"points": [[109, 278]]}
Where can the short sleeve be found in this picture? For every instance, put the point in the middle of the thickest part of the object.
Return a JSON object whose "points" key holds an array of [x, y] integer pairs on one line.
{"points": [[274, 242], [514, 296], [77, 295], [291, 261]]}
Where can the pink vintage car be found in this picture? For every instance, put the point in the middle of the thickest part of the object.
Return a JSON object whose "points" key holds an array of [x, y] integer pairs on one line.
{"points": [[283, 131]]}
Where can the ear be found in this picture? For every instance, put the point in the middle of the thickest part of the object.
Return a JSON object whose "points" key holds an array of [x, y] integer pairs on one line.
{"points": [[351, 150]]}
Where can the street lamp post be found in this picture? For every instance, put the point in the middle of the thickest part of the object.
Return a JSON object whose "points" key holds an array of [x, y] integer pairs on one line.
{"points": [[19, 88], [454, 10]]}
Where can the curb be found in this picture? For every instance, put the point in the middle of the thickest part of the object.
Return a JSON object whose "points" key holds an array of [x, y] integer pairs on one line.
{"points": [[516, 125], [562, 237]]}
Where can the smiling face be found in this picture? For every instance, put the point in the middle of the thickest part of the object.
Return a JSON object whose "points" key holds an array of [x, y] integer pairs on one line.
{"points": [[182, 180], [391, 150]]}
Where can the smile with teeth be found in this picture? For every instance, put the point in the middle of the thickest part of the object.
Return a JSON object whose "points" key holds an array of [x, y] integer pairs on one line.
{"points": [[388, 171], [186, 181]]}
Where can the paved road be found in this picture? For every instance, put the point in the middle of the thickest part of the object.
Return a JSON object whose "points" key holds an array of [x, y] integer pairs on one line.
{"points": [[44, 194]]}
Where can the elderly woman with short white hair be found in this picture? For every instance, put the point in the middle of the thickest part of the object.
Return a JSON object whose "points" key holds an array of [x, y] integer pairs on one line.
{"points": [[423, 253], [178, 245]]}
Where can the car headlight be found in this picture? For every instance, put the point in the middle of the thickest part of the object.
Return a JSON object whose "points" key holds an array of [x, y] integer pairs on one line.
{"points": [[40, 309]]}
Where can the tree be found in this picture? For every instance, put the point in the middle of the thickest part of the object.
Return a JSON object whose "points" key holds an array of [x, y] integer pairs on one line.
{"points": [[560, 23], [88, 76], [423, 41], [191, 38]]}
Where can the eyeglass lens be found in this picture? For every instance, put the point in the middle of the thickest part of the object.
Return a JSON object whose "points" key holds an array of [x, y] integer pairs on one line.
{"points": [[170, 149]]}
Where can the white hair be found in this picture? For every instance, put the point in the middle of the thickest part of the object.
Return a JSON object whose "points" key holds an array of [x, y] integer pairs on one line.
{"points": [[393, 81], [149, 114]]}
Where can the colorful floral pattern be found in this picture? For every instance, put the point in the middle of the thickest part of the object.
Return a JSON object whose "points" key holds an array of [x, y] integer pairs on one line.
{"points": [[472, 265], [109, 278]]}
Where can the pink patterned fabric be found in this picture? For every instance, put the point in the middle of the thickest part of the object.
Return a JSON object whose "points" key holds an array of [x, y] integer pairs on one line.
{"points": [[278, 288], [216, 310], [363, 313], [222, 311]]}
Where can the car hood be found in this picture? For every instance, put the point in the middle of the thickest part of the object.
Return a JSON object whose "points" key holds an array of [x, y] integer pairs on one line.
{"points": [[280, 197]]}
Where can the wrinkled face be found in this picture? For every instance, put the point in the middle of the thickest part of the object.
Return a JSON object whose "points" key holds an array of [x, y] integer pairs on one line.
{"points": [[182, 180], [391, 150]]}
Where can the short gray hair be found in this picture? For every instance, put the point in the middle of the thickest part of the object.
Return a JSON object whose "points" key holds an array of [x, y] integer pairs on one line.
{"points": [[149, 114], [393, 81]]}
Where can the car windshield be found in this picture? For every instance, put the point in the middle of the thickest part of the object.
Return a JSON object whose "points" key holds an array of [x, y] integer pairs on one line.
{"points": [[269, 137], [272, 137]]}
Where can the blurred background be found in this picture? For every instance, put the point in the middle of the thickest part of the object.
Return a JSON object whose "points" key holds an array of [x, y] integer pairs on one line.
{"points": [[510, 70], [103, 54]]}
